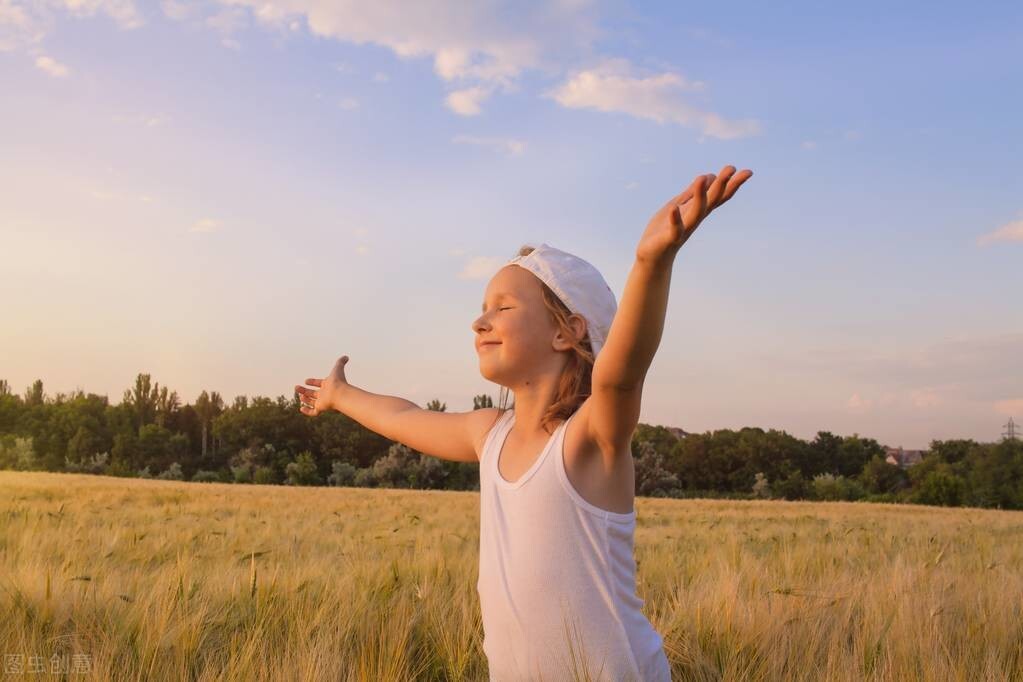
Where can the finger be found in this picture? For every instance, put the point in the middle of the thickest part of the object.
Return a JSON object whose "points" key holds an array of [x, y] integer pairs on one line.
{"points": [[314, 382], [735, 183], [698, 203], [717, 188], [682, 198]]}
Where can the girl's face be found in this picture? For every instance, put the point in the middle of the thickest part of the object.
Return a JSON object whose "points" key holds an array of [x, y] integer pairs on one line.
{"points": [[515, 336]]}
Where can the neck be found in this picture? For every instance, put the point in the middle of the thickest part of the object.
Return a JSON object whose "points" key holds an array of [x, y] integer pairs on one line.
{"points": [[531, 402]]}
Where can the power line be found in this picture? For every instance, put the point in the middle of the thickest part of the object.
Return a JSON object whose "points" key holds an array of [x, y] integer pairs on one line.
{"points": [[1010, 430]]}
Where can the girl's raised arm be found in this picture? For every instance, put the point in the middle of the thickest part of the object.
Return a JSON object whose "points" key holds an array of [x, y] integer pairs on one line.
{"points": [[454, 436], [611, 413]]}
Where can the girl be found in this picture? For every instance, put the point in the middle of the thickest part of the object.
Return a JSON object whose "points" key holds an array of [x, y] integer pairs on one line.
{"points": [[557, 578]]}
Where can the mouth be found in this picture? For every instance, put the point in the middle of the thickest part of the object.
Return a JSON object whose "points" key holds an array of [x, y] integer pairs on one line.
{"points": [[488, 344]]}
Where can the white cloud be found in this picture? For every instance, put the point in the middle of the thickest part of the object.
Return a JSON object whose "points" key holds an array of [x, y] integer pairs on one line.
{"points": [[205, 225], [1010, 408], [178, 10], [923, 398], [362, 250], [1009, 232], [472, 45], [808, 144], [480, 267], [507, 145], [917, 398], [466, 102], [121, 11], [231, 44], [142, 120], [348, 103], [228, 20], [858, 404], [381, 77], [24, 24], [632, 185], [51, 66], [610, 87]]}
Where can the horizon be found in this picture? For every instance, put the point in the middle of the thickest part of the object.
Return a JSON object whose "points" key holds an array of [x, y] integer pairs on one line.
{"points": [[235, 194]]}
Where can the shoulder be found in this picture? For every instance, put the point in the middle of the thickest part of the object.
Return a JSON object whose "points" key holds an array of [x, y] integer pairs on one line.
{"points": [[586, 438], [481, 421]]}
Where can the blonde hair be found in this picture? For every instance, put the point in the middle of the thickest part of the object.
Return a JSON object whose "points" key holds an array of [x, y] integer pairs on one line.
{"points": [[574, 385]]}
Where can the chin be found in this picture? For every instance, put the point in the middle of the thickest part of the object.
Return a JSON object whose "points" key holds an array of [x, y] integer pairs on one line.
{"points": [[489, 374]]}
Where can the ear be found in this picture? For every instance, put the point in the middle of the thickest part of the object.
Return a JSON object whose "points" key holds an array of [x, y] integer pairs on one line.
{"points": [[578, 325]]}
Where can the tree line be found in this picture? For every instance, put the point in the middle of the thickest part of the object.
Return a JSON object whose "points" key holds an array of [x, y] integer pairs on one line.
{"points": [[152, 434]]}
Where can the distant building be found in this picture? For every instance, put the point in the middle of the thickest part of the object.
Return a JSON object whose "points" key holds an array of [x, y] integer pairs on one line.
{"points": [[903, 458], [677, 432]]}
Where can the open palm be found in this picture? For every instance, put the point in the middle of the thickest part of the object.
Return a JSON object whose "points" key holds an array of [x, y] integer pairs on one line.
{"points": [[676, 221]]}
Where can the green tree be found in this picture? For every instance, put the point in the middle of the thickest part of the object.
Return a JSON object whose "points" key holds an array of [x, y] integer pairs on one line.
{"points": [[207, 406], [941, 487], [167, 403], [303, 470], [142, 400], [879, 477], [34, 395], [652, 478]]}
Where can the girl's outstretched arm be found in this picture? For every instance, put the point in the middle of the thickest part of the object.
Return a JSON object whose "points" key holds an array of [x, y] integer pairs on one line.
{"points": [[635, 333], [453, 436]]}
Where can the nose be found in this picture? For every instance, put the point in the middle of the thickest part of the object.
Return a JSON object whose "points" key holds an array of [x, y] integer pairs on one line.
{"points": [[480, 324]]}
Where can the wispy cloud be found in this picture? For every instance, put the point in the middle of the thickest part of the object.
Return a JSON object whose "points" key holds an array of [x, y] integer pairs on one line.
{"points": [[205, 225], [1010, 408], [858, 404], [1009, 232], [51, 66], [24, 24], [228, 20], [476, 48], [466, 102], [611, 87], [142, 120], [507, 145], [480, 267]]}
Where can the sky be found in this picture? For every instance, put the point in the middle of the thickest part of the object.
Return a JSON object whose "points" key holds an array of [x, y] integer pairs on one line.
{"points": [[230, 195]]}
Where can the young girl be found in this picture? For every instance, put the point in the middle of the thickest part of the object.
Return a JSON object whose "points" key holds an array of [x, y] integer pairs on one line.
{"points": [[557, 577]]}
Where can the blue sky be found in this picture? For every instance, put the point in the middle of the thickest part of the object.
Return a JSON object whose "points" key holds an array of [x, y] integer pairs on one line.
{"points": [[230, 195]]}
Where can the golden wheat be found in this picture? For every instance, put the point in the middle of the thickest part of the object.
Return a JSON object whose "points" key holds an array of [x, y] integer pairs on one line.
{"points": [[165, 580]]}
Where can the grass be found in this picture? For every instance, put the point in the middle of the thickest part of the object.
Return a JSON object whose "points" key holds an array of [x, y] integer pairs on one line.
{"points": [[183, 581]]}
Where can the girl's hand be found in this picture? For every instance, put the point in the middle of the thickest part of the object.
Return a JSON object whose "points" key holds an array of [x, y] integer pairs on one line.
{"points": [[315, 401], [671, 226]]}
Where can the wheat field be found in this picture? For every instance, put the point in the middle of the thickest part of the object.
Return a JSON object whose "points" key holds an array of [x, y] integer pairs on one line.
{"points": [[128, 579]]}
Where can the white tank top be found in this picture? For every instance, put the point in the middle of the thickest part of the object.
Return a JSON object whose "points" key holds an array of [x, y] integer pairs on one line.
{"points": [[557, 577]]}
